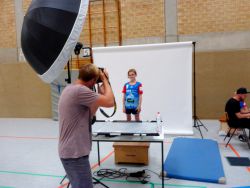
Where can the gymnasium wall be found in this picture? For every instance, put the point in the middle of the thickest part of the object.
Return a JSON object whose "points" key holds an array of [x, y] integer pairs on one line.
{"points": [[8, 40], [218, 75], [221, 29], [22, 93]]}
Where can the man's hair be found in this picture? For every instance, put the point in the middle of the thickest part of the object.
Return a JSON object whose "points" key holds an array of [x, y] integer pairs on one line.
{"points": [[88, 72], [132, 70]]}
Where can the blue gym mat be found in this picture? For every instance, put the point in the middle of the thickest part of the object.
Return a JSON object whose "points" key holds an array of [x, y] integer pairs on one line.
{"points": [[195, 159]]}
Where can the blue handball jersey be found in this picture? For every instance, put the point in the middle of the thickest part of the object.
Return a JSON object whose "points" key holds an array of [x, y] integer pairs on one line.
{"points": [[132, 93]]}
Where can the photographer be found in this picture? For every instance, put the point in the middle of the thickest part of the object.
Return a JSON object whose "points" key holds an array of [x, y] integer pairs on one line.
{"points": [[77, 105]]}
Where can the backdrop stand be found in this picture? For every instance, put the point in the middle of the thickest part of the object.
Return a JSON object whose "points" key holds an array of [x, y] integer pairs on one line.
{"points": [[197, 121]]}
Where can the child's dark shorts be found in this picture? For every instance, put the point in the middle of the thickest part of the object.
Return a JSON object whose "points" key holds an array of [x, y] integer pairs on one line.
{"points": [[131, 111]]}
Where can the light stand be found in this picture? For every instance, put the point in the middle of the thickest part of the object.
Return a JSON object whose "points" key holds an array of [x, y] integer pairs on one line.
{"points": [[197, 121], [98, 181], [68, 80]]}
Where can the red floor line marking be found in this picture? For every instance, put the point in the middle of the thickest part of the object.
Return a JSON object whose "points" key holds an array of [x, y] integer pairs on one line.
{"points": [[234, 150], [166, 142], [237, 154], [27, 137], [102, 160]]}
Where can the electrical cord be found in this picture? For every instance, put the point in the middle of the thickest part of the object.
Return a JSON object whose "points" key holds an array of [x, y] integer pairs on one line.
{"points": [[140, 176], [110, 173]]}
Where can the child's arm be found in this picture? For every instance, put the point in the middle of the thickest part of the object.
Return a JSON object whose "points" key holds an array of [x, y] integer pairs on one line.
{"points": [[140, 102], [140, 97], [123, 103]]}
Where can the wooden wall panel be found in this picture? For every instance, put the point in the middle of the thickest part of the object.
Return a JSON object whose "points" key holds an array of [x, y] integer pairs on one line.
{"points": [[23, 94], [218, 75]]}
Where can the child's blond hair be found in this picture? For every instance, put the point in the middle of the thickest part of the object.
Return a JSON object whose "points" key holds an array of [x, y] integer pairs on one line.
{"points": [[132, 70]]}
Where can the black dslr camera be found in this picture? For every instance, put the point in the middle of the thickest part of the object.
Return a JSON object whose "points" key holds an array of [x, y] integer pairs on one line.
{"points": [[99, 79]]}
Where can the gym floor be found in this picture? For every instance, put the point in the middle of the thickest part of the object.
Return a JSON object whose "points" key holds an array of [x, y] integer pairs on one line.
{"points": [[29, 158]]}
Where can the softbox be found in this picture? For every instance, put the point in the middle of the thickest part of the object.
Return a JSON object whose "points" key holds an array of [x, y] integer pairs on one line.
{"points": [[51, 29]]}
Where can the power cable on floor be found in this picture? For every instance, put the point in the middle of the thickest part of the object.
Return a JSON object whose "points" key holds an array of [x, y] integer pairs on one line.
{"points": [[140, 176]]}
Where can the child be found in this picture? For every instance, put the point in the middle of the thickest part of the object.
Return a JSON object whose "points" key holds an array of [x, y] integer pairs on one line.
{"points": [[243, 107], [132, 96], [244, 110]]}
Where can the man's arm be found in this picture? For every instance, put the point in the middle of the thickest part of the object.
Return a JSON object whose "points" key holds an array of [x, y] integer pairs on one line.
{"points": [[242, 115], [107, 98]]}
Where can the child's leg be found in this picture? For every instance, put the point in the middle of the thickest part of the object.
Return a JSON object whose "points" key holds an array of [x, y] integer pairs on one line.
{"points": [[128, 117], [137, 117]]}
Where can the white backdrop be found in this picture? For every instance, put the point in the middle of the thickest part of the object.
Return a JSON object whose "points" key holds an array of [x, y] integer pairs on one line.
{"points": [[165, 71]]}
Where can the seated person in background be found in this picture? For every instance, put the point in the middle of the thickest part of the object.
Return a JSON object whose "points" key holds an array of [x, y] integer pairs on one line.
{"points": [[238, 113]]}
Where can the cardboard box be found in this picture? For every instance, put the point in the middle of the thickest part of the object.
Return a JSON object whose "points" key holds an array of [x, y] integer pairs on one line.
{"points": [[131, 152]]}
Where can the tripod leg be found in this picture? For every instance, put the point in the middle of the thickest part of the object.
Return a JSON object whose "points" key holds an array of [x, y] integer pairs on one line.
{"points": [[63, 179], [198, 127], [201, 124], [98, 181]]}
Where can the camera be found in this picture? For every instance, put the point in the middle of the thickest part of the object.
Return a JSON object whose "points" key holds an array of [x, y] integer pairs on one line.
{"points": [[99, 79]]}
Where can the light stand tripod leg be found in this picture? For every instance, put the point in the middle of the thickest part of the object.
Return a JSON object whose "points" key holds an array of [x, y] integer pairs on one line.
{"points": [[63, 179], [198, 127], [198, 124], [98, 181], [201, 124]]}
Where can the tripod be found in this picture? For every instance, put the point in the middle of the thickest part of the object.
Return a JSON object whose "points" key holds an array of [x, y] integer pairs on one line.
{"points": [[197, 121], [198, 124], [98, 181], [95, 179]]}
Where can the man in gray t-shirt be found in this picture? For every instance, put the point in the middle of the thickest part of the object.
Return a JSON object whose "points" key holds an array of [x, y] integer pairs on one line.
{"points": [[77, 105]]}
